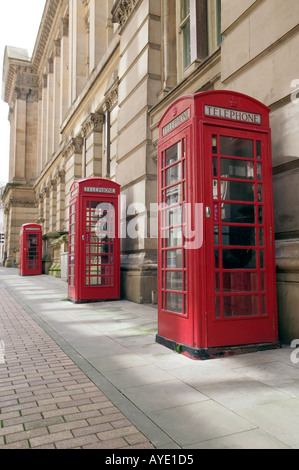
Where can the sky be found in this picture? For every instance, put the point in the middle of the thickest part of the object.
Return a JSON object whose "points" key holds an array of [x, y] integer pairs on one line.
{"points": [[19, 25]]}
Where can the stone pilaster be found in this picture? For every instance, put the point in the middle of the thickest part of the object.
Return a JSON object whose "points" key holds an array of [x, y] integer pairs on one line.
{"points": [[65, 97], [52, 205], [92, 149], [73, 168], [56, 95], [60, 205], [46, 210]]}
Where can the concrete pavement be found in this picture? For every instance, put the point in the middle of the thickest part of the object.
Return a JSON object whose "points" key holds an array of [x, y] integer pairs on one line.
{"points": [[92, 376]]}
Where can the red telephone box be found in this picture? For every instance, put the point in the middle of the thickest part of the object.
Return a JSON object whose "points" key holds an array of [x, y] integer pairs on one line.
{"points": [[30, 250], [94, 243], [216, 263]]}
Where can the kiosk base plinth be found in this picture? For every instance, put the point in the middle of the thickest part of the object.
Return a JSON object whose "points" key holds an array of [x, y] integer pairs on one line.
{"points": [[213, 353]]}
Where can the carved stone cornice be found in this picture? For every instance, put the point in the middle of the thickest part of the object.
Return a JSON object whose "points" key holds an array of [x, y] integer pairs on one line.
{"points": [[87, 22], [46, 192], [75, 145], [94, 123], [154, 153], [24, 85], [122, 10], [53, 185], [60, 176], [13, 202], [57, 48], [50, 65], [65, 26], [20, 93], [111, 95], [45, 80], [51, 9]]}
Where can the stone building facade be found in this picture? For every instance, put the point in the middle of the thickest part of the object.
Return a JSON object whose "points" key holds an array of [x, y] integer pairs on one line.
{"points": [[89, 100]]}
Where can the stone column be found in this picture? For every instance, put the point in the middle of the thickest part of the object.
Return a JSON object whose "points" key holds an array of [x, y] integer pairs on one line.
{"points": [[20, 135], [73, 168], [169, 44], [11, 118], [92, 150], [40, 132], [56, 95], [49, 119], [99, 30], [44, 121], [46, 210], [52, 205], [60, 205], [40, 208], [78, 47], [65, 96]]}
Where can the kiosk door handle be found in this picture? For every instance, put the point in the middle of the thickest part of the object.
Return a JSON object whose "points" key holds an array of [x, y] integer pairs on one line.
{"points": [[208, 212]]}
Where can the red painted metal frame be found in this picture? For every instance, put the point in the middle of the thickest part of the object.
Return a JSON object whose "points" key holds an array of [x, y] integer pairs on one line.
{"points": [[85, 245], [198, 328], [30, 256]]}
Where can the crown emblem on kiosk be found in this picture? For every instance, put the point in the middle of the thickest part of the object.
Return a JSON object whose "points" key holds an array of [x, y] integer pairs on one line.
{"points": [[234, 102]]}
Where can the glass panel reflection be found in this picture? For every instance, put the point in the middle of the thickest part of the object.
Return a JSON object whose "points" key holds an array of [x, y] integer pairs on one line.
{"points": [[240, 282], [238, 236], [173, 174], [238, 169], [240, 306], [238, 191], [173, 154], [174, 280], [239, 259], [238, 213], [174, 302], [236, 147], [174, 259], [174, 195]]}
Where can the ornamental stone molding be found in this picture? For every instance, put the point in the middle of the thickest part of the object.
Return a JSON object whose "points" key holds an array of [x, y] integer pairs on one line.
{"points": [[60, 176], [94, 123], [57, 47], [13, 202], [111, 94], [75, 145], [122, 10], [65, 26], [48, 19]]}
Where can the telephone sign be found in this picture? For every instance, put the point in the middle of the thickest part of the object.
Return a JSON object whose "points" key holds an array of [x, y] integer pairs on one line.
{"points": [[221, 294]]}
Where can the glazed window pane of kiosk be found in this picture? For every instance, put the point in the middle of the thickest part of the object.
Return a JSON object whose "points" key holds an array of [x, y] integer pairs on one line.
{"points": [[100, 223], [239, 268], [214, 153], [30, 252], [173, 253], [94, 246]]}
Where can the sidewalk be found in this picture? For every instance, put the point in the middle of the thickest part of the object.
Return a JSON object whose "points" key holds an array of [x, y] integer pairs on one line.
{"points": [[92, 376]]}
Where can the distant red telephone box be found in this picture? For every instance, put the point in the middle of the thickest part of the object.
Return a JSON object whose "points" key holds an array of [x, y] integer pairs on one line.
{"points": [[30, 250], [216, 263], [94, 243]]}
